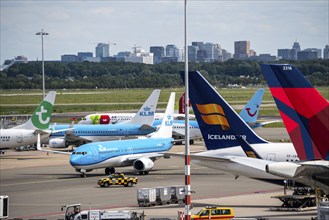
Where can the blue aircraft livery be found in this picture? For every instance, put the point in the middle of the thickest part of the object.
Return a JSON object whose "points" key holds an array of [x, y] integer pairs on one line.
{"points": [[139, 153]]}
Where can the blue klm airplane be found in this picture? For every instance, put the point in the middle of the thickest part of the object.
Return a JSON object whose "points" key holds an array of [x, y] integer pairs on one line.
{"points": [[140, 124], [139, 153]]}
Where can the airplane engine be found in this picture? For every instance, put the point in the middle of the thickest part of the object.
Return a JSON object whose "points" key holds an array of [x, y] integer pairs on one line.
{"points": [[285, 169], [143, 165], [58, 143]]}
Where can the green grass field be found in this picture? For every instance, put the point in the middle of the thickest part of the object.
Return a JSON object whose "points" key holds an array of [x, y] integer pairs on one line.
{"points": [[25, 102]]}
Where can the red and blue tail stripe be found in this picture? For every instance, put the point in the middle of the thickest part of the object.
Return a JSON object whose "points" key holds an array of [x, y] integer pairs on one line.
{"points": [[303, 109]]}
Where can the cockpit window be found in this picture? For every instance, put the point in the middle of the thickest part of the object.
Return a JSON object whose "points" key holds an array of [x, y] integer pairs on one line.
{"points": [[80, 153]]}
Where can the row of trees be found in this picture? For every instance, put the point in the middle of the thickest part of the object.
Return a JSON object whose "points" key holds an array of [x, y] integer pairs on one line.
{"points": [[89, 75]]}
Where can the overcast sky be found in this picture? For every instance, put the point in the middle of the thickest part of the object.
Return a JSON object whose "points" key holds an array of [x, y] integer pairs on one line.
{"points": [[77, 26]]}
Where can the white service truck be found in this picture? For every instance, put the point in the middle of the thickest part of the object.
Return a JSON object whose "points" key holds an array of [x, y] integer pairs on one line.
{"points": [[73, 212]]}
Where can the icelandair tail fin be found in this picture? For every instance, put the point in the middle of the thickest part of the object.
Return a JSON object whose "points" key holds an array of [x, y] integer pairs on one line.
{"points": [[41, 116], [250, 111], [304, 111], [145, 115], [165, 130], [220, 125]]}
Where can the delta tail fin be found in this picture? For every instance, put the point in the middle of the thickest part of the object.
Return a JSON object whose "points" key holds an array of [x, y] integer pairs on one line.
{"points": [[145, 115], [251, 110], [220, 125], [166, 127], [304, 111], [40, 119]]}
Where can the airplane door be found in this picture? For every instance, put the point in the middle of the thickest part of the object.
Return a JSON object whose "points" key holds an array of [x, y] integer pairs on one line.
{"points": [[95, 153], [271, 156], [19, 137]]}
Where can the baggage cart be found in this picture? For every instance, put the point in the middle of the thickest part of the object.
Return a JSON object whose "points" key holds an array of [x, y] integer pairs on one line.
{"points": [[177, 194], [163, 195], [146, 196]]}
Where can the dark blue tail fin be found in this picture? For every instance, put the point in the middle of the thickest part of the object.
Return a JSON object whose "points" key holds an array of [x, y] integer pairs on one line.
{"points": [[220, 125]]}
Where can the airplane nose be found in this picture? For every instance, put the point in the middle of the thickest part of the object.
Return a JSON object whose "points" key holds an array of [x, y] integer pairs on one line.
{"points": [[74, 160]]}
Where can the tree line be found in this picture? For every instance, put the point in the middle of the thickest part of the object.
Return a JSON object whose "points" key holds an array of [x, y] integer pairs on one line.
{"points": [[89, 75]]}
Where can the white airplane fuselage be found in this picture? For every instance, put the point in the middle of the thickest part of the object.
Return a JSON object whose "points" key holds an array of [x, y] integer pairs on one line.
{"points": [[270, 152], [12, 138]]}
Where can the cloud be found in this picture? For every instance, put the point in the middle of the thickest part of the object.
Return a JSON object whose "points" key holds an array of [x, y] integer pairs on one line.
{"points": [[76, 26]]}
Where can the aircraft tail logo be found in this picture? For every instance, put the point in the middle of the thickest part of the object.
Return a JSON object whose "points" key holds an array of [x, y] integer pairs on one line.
{"points": [[145, 115], [250, 111], [213, 114], [220, 125], [304, 111], [166, 127], [41, 116]]}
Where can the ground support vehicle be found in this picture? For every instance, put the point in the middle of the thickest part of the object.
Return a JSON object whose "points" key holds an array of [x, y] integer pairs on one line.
{"points": [[163, 195], [177, 194], [73, 212], [146, 197], [117, 179], [213, 212], [323, 210], [302, 199]]}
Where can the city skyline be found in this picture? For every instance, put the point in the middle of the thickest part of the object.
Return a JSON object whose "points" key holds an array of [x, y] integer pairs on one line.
{"points": [[78, 26]]}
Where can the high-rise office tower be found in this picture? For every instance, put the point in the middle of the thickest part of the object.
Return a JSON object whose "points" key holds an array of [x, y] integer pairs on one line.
{"points": [[158, 53], [102, 50], [241, 49], [326, 52]]}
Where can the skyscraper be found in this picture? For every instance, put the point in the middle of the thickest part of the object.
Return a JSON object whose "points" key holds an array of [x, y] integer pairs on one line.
{"points": [[241, 49], [158, 53], [102, 50], [326, 52]]}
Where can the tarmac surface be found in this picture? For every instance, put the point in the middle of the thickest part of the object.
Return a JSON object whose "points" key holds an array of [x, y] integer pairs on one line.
{"points": [[39, 184]]}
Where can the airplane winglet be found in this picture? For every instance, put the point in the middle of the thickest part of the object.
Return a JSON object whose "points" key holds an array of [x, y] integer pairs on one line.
{"points": [[49, 151]]}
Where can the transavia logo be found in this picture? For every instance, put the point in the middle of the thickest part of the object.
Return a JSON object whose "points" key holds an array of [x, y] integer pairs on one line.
{"points": [[169, 121], [146, 112], [213, 114], [252, 114], [41, 117]]}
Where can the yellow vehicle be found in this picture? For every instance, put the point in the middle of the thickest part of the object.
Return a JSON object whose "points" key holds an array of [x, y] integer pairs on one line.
{"points": [[214, 212], [117, 179]]}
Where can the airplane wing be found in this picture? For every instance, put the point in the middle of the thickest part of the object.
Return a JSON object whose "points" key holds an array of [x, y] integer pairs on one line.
{"points": [[222, 163], [71, 137], [49, 151], [313, 173], [38, 131], [262, 124], [129, 159], [146, 127]]}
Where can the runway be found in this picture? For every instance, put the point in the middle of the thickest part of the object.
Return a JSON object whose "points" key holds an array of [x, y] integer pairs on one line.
{"points": [[39, 184]]}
